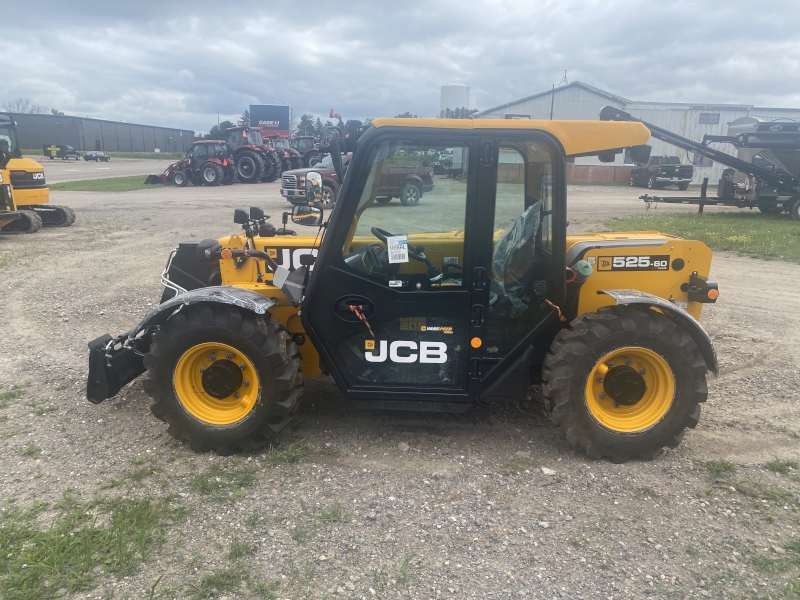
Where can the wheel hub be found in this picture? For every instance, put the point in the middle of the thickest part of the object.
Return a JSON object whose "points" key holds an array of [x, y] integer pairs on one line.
{"points": [[624, 385], [222, 379]]}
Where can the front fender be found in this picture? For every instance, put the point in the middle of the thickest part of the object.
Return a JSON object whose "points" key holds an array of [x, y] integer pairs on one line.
{"points": [[699, 335], [114, 362]]}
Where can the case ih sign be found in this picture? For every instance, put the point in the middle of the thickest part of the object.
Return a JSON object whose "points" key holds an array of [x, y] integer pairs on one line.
{"points": [[273, 118]]}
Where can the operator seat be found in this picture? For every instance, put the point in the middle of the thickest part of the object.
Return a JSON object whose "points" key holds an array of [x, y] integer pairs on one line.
{"points": [[513, 264]]}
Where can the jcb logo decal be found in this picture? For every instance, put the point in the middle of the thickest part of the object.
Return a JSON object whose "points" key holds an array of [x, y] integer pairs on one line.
{"points": [[37, 175], [289, 258], [406, 352]]}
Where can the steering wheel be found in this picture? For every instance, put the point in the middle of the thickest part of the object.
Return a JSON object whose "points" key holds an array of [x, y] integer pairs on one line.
{"points": [[413, 251]]}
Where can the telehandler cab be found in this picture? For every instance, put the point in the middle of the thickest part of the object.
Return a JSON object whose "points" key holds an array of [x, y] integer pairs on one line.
{"points": [[474, 295]]}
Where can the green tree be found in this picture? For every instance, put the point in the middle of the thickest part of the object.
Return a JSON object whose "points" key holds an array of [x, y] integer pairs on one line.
{"points": [[318, 127], [458, 113], [217, 132], [367, 122], [306, 125], [406, 115], [245, 118], [57, 112]]}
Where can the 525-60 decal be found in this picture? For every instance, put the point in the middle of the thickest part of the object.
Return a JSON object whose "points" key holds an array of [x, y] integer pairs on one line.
{"points": [[658, 262]]}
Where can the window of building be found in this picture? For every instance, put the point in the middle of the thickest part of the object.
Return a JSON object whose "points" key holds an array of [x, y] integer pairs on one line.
{"points": [[709, 118], [701, 161]]}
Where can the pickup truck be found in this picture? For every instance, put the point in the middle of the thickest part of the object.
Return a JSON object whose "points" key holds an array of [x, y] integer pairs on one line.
{"points": [[661, 171], [401, 178]]}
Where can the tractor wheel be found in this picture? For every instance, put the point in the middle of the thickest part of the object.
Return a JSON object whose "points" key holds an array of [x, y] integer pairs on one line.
{"points": [[180, 179], [29, 222], [286, 164], [683, 186], [297, 162], [277, 167], [623, 383], [383, 200], [249, 167], [794, 211], [269, 169], [230, 176], [652, 183], [312, 158], [328, 198], [211, 174], [224, 379], [410, 195]]}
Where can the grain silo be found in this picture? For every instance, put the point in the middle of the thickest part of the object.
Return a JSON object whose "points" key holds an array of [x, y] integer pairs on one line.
{"points": [[454, 95]]}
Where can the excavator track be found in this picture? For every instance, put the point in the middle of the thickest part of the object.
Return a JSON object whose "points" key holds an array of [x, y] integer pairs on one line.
{"points": [[28, 222], [54, 216]]}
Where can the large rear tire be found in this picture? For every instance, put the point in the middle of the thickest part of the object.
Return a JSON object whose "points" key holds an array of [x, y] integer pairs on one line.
{"points": [[623, 383], [311, 158], [224, 379], [249, 166], [794, 210], [683, 186]]}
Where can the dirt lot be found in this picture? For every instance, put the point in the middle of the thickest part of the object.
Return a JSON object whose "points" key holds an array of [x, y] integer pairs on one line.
{"points": [[488, 504]]}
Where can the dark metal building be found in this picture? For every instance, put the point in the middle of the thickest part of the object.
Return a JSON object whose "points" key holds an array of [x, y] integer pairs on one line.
{"points": [[35, 131]]}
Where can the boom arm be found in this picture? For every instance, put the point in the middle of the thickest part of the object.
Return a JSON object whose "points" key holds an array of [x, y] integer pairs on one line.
{"points": [[782, 181]]}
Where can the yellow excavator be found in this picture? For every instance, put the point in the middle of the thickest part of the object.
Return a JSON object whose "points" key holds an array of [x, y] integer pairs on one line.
{"points": [[31, 195], [8, 212]]}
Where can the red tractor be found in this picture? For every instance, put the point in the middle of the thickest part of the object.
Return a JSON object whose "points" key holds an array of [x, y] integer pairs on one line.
{"points": [[255, 160], [290, 157], [306, 145], [208, 162]]}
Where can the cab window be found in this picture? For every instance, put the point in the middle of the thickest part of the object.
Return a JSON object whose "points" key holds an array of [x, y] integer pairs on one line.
{"points": [[408, 230], [523, 243], [199, 151]]}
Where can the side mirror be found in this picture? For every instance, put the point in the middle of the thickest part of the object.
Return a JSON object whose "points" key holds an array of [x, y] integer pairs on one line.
{"points": [[240, 216], [313, 187], [640, 154], [256, 213], [310, 216]]}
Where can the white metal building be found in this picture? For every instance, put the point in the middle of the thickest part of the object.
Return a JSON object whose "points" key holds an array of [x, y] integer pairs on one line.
{"points": [[578, 100]]}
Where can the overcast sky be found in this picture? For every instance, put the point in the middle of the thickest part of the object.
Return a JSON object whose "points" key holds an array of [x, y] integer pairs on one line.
{"points": [[178, 63]]}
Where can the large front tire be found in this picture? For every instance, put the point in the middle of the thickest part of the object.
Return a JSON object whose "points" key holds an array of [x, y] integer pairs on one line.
{"points": [[224, 379], [249, 166], [623, 383]]}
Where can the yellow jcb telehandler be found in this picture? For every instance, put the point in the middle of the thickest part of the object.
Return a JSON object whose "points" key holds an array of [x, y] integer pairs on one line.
{"points": [[474, 293]]}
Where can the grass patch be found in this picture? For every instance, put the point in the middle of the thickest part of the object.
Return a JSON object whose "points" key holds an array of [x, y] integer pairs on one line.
{"points": [[750, 233], [517, 464], [335, 514], [720, 468], [110, 184], [221, 484], [218, 582], [646, 491], [280, 455], [31, 450], [756, 488], [147, 468], [239, 549], [44, 410], [781, 466], [9, 395], [83, 541]]}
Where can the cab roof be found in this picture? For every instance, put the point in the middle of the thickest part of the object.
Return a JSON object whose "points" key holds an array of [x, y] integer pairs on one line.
{"points": [[577, 137]]}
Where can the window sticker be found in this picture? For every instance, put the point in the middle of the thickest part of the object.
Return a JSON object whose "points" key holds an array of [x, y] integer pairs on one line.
{"points": [[398, 248]]}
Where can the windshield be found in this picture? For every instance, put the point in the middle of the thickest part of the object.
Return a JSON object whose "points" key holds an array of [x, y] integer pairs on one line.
{"points": [[280, 143], [327, 162], [254, 137], [672, 160], [8, 139]]}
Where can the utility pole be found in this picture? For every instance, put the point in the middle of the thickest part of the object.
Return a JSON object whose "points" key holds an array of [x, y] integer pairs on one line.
{"points": [[219, 111], [552, 99]]}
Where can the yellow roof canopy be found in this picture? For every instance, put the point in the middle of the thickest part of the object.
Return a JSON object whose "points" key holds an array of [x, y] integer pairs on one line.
{"points": [[577, 137]]}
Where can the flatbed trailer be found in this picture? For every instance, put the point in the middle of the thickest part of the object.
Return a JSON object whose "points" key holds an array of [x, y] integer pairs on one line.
{"points": [[774, 191]]}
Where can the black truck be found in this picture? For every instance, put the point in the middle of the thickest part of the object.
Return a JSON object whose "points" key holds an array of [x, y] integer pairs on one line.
{"points": [[62, 151], [661, 171]]}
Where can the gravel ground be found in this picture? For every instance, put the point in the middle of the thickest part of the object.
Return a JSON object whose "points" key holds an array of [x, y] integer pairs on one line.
{"points": [[353, 504]]}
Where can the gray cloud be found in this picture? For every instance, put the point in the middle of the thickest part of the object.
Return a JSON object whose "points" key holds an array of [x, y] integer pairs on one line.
{"points": [[178, 63]]}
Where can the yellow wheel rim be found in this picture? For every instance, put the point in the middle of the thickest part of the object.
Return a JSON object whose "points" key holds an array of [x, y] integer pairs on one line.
{"points": [[216, 383], [628, 373]]}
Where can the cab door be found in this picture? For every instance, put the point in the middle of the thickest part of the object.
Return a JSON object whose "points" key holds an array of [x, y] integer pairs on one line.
{"points": [[395, 301]]}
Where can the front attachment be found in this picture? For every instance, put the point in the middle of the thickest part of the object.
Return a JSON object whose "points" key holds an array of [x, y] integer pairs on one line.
{"points": [[114, 363]]}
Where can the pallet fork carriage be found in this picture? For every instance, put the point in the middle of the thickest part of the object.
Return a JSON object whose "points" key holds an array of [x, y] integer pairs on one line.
{"points": [[474, 295]]}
